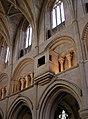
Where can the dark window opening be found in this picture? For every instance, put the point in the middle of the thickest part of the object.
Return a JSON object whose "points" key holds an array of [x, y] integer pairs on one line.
{"points": [[49, 34], [0, 116], [41, 61], [86, 7], [21, 53], [59, 67], [50, 57]]}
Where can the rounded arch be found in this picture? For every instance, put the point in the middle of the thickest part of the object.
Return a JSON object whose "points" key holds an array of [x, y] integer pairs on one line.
{"points": [[85, 41], [56, 90], [19, 104], [64, 46], [20, 66], [3, 76], [59, 40]]}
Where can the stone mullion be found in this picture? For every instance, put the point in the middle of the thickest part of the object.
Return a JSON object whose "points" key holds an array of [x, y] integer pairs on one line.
{"points": [[22, 83]]}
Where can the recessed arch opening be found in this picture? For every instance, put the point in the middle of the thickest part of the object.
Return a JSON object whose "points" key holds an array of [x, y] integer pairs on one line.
{"points": [[57, 102], [64, 106], [20, 111], [24, 113]]}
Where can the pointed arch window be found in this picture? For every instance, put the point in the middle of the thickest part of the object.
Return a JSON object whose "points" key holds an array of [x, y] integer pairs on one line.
{"points": [[57, 13], [28, 41]]}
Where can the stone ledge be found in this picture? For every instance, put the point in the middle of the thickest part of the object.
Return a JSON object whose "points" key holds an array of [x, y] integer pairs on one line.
{"points": [[44, 78]]}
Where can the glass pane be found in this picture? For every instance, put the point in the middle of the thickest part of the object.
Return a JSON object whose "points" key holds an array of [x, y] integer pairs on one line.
{"points": [[62, 12], [30, 37], [53, 19], [27, 37], [58, 15], [7, 55]]}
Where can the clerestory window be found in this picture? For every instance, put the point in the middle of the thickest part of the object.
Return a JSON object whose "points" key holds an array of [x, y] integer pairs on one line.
{"points": [[57, 13], [25, 40], [7, 55], [28, 37]]}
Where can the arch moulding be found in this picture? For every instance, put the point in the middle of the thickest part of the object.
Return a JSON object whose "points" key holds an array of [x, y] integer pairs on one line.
{"points": [[17, 104], [56, 87]]}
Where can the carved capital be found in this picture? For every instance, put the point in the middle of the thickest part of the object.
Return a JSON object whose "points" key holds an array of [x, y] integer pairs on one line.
{"points": [[83, 114]]}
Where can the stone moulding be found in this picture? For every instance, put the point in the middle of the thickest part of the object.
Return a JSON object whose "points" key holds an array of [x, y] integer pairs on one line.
{"points": [[44, 78]]}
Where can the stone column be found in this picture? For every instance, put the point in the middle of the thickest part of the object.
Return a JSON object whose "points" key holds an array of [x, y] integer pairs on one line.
{"points": [[68, 56], [22, 83], [27, 81], [61, 60], [3, 93], [31, 75], [14, 86]]}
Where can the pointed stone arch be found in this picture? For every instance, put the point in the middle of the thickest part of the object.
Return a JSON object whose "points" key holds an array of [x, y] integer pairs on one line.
{"points": [[19, 104], [55, 90]]}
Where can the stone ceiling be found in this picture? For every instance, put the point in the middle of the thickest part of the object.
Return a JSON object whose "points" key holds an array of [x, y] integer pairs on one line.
{"points": [[14, 14]]}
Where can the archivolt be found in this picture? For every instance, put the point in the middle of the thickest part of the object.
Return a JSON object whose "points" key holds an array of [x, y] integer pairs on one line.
{"points": [[54, 89], [3, 76], [21, 65], [17, 104], [59, 40], [85, 40]]}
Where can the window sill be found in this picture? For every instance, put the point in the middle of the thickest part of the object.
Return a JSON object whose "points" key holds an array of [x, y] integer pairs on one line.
{"points": [[53, 31]]}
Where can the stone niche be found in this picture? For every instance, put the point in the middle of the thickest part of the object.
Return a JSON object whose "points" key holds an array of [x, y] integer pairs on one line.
{"points": [[46, 66]]}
